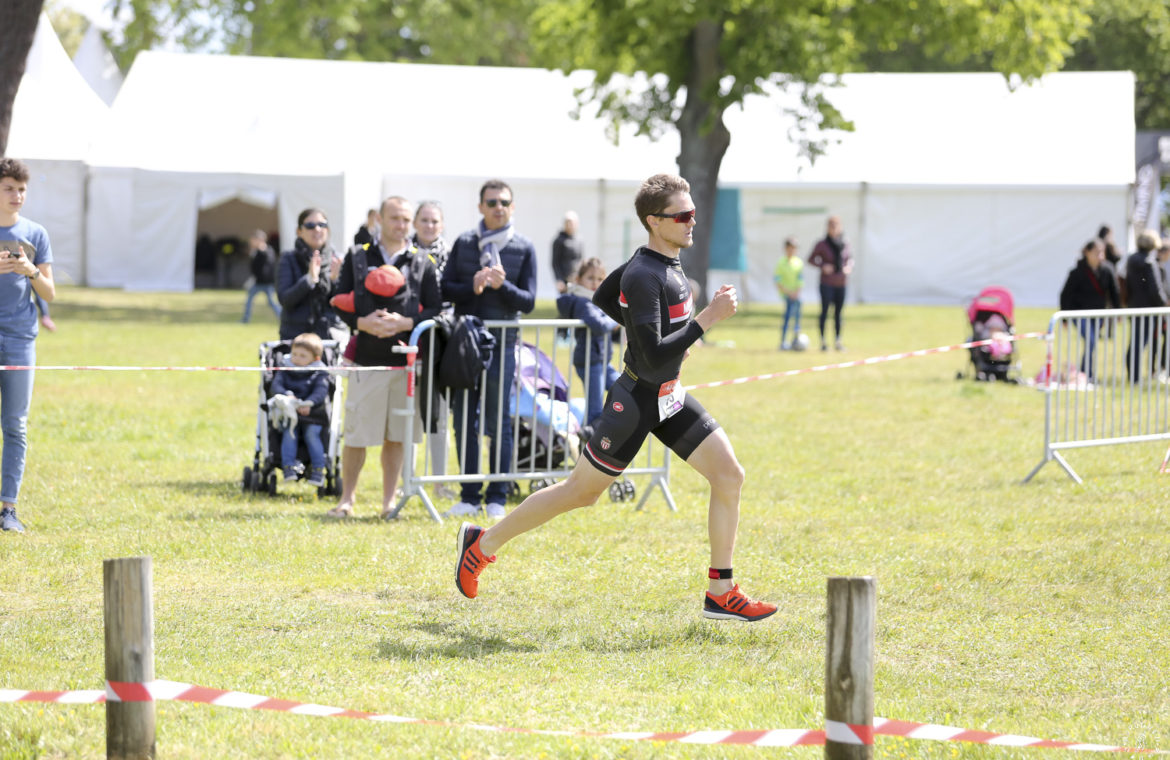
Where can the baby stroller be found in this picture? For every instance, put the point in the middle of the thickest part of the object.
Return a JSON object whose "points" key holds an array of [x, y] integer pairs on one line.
{"points": [[991, 316], [548, 425], [551, 426], [263, 474]]}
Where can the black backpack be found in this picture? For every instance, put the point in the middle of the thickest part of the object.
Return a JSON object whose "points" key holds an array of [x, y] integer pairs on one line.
{"points": [[467, 354]]}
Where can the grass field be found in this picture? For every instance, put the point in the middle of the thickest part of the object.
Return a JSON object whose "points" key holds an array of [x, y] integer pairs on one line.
{"points": [[1036, 610]]}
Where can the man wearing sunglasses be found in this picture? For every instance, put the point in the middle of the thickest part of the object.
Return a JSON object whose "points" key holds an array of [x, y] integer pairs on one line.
{"points": [[490, 274], [650, 296]]}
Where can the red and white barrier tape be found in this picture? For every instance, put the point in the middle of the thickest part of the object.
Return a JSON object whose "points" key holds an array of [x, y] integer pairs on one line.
{"points": [[118, 368], [783, 737], [357, 368], [863, 362]]}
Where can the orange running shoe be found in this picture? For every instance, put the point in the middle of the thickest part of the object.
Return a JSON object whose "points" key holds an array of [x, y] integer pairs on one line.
{"points": [[471, 560], [735, 606]]}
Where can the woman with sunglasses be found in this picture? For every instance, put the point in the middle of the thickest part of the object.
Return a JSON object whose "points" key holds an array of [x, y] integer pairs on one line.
{"points": [[304, 279]]}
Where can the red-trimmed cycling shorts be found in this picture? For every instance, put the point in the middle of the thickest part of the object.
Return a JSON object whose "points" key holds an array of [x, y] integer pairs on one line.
{"points": [[631, 413]]}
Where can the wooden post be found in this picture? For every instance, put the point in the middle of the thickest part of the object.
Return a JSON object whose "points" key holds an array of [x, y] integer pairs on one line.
{"points": [[849, 669], [129, 619]]}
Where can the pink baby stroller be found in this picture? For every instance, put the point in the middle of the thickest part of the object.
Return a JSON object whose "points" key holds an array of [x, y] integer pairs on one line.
{"points": [[991, 316]]}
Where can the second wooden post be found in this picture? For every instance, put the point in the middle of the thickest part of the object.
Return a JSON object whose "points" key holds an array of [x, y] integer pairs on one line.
{"points": [[849, 669], [129, 620]]}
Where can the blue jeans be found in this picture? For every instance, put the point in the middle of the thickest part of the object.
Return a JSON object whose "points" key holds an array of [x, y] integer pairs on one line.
{"points": [[16, 387], [269, 292], [791, 312], [601, 377], [311, 434], [497, 423], [1089, 329]]}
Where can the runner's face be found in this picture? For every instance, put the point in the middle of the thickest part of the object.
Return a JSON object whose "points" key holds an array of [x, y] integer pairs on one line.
{"points": [[675, 233]]}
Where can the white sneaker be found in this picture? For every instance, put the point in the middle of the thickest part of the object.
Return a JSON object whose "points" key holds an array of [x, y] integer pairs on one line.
{"points": [[496, 511], [462, 509]]}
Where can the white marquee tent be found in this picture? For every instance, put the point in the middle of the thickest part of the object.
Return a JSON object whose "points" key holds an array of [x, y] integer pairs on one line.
{"points": [[950, 183], [54, 117], [97, 65]]}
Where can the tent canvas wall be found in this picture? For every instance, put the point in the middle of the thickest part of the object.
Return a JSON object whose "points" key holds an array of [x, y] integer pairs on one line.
{"points": [[950, 183], [53, 116], [143, 223], [97, 66], [947, 180]]}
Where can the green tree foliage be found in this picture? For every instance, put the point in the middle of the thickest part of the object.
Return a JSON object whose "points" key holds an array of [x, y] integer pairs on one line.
{"points": [[438, 31], [1131, 35], [702, 58], [1123, 35]]}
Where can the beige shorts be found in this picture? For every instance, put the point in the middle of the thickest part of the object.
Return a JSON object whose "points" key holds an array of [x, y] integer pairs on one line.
{"points": [[371, 399]]}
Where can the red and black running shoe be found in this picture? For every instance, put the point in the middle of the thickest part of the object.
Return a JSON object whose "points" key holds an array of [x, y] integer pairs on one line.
{"points": [[471, 560], [735, 606]]}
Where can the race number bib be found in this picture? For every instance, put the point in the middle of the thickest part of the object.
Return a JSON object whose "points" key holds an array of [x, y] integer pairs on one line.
{"points": [[670, 399]]}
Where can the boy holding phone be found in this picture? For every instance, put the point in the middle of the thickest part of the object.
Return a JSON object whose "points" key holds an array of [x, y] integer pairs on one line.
{"points": [[25, 270]]}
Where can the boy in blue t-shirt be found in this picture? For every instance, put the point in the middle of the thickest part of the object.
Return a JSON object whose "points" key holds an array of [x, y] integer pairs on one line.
{"points": [[26, 270], [789, 278]]}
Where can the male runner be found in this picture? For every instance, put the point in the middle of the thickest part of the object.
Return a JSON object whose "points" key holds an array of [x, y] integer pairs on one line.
{"points": [[651, 297]]}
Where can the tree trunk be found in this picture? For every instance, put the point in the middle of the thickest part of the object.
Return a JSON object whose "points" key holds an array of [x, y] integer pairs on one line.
{"points": [[18, 27], [704, 139]]}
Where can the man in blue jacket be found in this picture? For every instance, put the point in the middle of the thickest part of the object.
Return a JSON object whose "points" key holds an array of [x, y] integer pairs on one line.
{"points": [[491, 274]]}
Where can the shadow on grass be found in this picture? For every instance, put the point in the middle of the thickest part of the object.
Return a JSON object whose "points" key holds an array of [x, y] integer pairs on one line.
{"points": [[451, 642], [232, 504], [209, 488]]}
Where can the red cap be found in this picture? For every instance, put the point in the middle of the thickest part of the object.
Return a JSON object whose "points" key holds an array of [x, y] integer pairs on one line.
{"points": [[385, 281]]}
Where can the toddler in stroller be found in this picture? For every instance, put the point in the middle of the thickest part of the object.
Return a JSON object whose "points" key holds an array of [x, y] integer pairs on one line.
{"points": [[297, 408], [991, 315], [295, 421]]}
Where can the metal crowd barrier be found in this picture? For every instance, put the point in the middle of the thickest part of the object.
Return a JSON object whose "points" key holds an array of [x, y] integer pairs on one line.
{"points": [[418, 471], [1105, 381]]}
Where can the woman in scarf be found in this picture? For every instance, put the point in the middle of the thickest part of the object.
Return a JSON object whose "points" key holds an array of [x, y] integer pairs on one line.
{"points": [[835, 260], [304, 279]]}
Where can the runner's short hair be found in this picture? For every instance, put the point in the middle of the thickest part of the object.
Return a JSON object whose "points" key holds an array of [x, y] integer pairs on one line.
{"points": [[656, 193]]}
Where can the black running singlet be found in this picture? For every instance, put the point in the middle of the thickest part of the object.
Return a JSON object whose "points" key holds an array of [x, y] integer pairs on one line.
{"points": [[651, 297]]}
